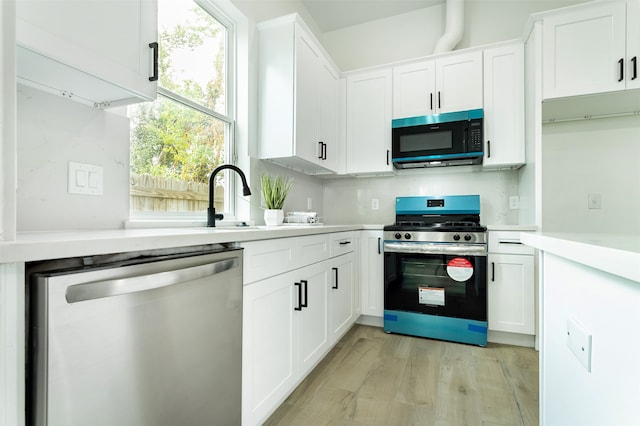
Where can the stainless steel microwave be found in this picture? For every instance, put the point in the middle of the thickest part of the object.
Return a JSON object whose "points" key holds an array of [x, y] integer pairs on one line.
{"points": [[449, 139]]}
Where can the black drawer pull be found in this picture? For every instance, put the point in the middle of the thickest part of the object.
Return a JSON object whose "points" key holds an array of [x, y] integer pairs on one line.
{"points": [[336, 276]]}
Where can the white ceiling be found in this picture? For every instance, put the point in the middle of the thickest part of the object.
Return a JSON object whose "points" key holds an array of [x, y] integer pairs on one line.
{"points": [[335, 14]]}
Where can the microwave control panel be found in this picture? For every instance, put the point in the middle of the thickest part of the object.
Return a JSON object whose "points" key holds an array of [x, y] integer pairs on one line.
{"points": [[475, 136]]}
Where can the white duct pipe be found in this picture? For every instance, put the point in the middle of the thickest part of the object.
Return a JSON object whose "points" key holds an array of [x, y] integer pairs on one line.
{"points": [[454, 26]]}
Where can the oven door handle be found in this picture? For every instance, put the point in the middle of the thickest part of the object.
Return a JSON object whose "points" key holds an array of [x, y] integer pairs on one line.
{"points": [[435, 248]]}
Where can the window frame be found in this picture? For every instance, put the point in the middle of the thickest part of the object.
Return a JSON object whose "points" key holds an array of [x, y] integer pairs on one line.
{"points": [[228, 119]]}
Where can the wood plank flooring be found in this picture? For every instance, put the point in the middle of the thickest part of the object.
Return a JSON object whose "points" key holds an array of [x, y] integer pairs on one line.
{"points": [[374, 378]]}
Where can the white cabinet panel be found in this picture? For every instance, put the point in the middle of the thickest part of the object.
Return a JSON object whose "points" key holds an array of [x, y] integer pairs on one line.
{"points": [[504, 106], [446, 84], [298, 99], [372, 273], [584, 50], [511, 293], [74, 49], [342, 291], [369, 122]]}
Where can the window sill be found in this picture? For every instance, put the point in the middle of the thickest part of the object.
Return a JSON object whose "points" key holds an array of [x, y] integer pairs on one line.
{"points": [[181, 223]]}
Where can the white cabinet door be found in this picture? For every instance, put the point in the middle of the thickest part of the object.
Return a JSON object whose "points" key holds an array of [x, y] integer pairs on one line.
{"points": [[369, 98], [372, 273], [332, 151], [312, 319], [510, 293], [413, 89], [93, 51], [584, 50], [307, 74], [459, 82], [504, 106], [632, 75], [447, 84], [269, 345], [342, 316]]}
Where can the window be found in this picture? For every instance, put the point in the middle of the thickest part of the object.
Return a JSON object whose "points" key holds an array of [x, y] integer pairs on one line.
{"points": [[179, 139]]}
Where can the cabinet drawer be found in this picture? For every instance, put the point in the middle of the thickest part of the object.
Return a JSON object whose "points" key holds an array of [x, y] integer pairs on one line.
{"points": [[267, 258], [507, 242], [341, 243], [313, 248]]}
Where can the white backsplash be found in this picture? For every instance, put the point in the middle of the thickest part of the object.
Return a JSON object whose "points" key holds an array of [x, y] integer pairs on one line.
{"points": [[51, 132], [348, 201]]}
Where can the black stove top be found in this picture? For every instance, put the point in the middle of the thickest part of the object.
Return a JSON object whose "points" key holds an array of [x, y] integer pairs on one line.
{"points": [[446, 226]]}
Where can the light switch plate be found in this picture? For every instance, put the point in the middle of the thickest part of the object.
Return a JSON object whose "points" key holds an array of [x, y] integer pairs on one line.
{"points": [[85, 179], [579, 342]]}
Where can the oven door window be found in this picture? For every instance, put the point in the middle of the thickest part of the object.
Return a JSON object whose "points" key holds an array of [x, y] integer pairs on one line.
{"points": [[447, 285]]}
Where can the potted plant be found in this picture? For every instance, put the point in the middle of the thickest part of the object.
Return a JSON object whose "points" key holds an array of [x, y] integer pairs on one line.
{"points": [[274, 191]]}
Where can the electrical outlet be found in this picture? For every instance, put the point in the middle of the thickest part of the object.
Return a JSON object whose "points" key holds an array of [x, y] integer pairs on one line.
{"points": [[514, 202], [594, 201], [579, 342], [85, 179], [375, 204]]}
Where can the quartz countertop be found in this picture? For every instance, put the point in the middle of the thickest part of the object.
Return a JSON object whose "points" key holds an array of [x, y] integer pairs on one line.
{"points": [[55, 245], [616, 254]]}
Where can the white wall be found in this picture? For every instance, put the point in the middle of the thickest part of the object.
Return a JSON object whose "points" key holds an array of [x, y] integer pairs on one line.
{"points": [[591, 156], [415, 34]]}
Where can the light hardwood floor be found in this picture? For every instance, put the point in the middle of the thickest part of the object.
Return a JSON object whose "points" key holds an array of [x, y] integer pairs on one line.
{"points": [[374, 378]]}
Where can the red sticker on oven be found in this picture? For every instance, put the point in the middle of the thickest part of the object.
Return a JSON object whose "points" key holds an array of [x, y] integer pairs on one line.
{"points": [[459, 269]]}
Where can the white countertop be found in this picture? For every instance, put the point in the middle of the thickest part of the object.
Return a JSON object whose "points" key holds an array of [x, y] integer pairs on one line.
{"points": [[55, 245], [615, 254]]}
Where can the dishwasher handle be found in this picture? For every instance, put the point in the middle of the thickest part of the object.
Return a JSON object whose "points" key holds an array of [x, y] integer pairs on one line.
{"points": [[108, 288]]}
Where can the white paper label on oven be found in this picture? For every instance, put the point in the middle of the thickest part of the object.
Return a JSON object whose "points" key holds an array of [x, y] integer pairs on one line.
{"points": [[431, 296], [459, 269]]}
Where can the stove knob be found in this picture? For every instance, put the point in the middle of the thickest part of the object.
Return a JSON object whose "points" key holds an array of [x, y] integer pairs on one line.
{"points": [[467, 237], [456, 237], [407, 236], [398, 236]]}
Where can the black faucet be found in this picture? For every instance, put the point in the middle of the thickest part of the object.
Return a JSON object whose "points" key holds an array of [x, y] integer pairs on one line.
{"points": [[211, 211]]}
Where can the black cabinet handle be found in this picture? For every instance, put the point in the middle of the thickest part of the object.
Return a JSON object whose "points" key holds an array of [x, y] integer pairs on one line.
{"points": [[306, 293], [439, 100], [154, 46], [344, 243], [387, 157], [320, 156], [299, 307], [379, 241], [634, 61], [324, 151], [488, 149], [431, 101], [621, 63], [493, 271], [336, 276]]}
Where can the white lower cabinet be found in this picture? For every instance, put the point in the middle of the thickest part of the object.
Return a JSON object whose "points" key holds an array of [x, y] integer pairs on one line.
{"points": [[295, 309], [372, 273], [510, 292]]}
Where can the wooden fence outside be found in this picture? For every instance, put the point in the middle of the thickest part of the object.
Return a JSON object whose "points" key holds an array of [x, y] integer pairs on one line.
{"points": [[152, 193]]}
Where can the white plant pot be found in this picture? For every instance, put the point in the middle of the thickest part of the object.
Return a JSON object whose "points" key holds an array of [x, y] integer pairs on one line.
{"points": [[273, 217]]}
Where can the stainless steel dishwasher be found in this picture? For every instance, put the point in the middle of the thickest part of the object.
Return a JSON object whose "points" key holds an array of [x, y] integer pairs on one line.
{"points": [[151, 338]]}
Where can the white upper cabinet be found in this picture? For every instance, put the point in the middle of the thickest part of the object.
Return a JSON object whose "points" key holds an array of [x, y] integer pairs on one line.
{"points": [[590, 49], [504, 106], [369, 122], [446, 84], [99, 52], [298, 98]]}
